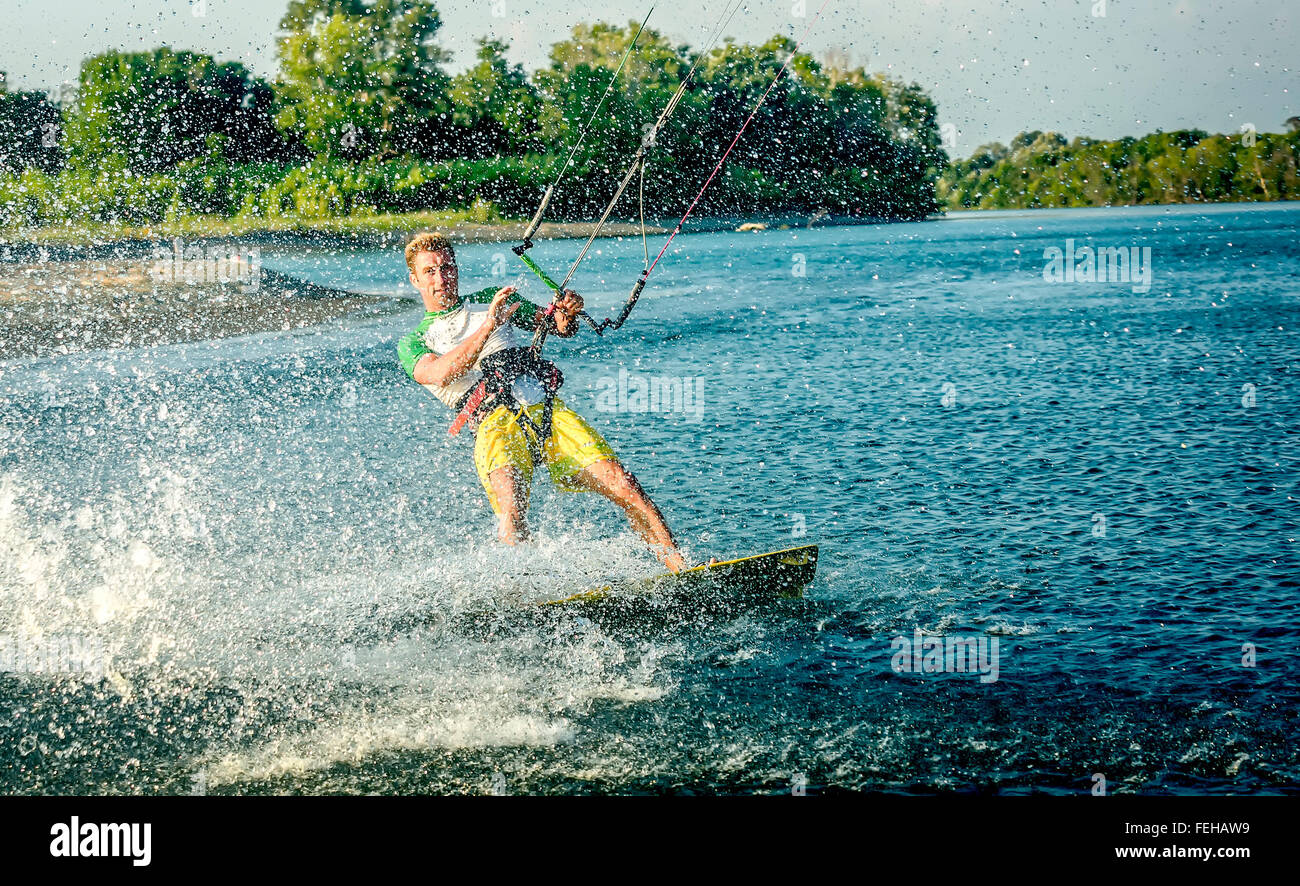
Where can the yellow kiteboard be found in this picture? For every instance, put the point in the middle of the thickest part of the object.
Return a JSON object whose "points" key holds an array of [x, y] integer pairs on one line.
{"points": [[716, 589]]}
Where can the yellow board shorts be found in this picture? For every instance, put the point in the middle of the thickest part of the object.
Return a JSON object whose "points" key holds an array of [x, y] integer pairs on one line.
{"points": [[572, 446]]}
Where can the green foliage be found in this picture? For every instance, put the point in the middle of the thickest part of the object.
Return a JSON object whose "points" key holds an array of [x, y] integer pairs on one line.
{"points": [[570, 89], [820, 128], [1186, 166], [27, 198], [30, 131], [494, 105], [111, 191], [363, 79], [362, 121], [153, 110]]}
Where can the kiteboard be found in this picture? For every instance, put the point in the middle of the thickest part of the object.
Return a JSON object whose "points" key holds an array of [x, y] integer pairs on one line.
{"points": [[715, 590], [705, 594]]}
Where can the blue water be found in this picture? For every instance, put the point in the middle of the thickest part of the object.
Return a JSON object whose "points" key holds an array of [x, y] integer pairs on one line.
{"points": [[267, 533]]}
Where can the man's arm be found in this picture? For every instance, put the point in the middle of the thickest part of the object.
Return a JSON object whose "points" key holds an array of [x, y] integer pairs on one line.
{"points": [[435, 369]]}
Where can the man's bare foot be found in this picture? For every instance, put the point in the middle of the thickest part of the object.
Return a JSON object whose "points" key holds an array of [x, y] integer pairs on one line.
{"points": [[673, 559]]}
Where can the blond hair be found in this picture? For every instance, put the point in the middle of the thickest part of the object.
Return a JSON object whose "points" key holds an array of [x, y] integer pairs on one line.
{"points": [[426, 241]]}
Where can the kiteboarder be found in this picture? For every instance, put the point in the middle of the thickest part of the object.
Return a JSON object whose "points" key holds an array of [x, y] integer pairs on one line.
{"points": [[473, 354]]}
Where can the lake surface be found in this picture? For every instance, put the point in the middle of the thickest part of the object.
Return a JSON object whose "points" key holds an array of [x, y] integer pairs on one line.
{"points": [[262, 539]]}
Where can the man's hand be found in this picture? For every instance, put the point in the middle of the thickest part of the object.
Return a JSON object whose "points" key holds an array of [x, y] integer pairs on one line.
{"points": [[499, 312], [567, 307]]}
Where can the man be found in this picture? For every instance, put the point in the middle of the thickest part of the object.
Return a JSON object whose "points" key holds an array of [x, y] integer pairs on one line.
{"points": [[446, 355]]}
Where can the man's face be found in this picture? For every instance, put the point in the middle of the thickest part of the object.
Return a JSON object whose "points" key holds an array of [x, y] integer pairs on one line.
{"points": [[435, 277]]}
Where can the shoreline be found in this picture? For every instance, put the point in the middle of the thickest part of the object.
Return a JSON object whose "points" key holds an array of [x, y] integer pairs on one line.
{"points": [[55, 244], [73, 305], [24, 246]]}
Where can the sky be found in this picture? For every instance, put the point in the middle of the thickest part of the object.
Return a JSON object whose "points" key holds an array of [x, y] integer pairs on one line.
{"points": [[1098, 68]]}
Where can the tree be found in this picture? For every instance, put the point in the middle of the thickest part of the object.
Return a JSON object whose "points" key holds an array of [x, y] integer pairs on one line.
{"points": [[1210, 169], [911, 116], [1162, 167], [571, 87], [826, 137], [583, 66], [364, 79], [29, 131], [494, 102], [152, 110]]}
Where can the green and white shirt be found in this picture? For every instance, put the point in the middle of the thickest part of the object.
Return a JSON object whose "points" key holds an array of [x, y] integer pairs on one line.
{"points": [[440, 331]]}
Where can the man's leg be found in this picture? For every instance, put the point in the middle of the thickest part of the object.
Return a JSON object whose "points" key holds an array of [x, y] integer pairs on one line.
{"points": [[505, 469], [510, 489], [616, 483]]}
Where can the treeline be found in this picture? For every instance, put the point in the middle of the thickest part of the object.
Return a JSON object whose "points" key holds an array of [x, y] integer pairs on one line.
{"points": [[1043, 169], [362, 118]]}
